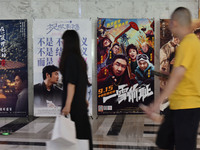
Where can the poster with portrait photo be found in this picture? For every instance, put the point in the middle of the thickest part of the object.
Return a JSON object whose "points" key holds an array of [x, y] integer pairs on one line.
{"points": [[125, 64], [13, 68], [47, 45]]}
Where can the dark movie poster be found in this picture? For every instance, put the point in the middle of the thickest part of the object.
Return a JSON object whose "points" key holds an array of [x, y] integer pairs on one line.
{"points": [[13, 68], [125, 64]]}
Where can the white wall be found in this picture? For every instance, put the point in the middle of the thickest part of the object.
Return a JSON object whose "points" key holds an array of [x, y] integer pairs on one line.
{"points": [[42, 9]]}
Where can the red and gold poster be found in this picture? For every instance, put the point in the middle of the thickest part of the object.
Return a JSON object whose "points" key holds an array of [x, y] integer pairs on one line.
{"points": [[125, 64]]}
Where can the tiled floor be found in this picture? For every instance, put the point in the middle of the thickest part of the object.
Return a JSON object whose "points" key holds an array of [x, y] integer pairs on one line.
{"points": [[121, 132]]}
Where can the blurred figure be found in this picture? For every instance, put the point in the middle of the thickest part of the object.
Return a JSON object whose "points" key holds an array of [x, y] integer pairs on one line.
{"points": [[180, 125], [75, 80]]}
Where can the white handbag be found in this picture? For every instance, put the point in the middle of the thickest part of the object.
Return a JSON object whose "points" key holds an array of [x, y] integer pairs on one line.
{"points": [[80, 145], [64, 129], [64, 136]]}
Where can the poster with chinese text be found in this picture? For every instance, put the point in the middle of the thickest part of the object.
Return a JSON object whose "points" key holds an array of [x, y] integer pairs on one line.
{"points": [[47, 47], [125, 61], [13, 68]]}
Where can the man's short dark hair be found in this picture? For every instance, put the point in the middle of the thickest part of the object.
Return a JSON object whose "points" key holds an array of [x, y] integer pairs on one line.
{"points": [[182, 15], [49, 69], [120, 56], [22, 75]]}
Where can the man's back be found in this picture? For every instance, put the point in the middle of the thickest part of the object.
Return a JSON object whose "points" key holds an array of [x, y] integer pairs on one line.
{"points": [[187, 93]]}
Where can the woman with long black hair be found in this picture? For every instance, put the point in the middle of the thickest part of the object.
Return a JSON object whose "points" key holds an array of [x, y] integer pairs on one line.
{"points": [[75, 80]]}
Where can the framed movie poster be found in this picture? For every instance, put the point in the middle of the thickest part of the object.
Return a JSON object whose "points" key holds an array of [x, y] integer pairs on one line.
{"points": [[125, 64], [47, 47], [13, 68]]}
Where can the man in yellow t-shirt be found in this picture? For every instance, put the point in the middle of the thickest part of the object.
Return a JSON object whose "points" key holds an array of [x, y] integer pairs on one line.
{"points": [[180, 125]]}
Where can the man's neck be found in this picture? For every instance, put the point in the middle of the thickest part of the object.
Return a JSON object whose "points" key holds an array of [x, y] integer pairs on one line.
{"points": [[185, 31], [48, 85]]}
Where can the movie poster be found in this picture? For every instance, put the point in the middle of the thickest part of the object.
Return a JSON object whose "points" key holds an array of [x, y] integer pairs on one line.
{"points": [[168, 45], [47, 47], [13, 68], [125, 64]]}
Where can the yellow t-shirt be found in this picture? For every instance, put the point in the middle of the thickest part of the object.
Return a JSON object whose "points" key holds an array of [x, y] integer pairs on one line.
{"points": [[187, 93]]}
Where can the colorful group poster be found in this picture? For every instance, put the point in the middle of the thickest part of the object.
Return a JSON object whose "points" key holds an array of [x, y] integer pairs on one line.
{"points": [[47, 49], [125, 64], [13, 68]]}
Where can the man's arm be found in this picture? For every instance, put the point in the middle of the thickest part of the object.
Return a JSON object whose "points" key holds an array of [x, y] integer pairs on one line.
{"points": [[175, 78]]}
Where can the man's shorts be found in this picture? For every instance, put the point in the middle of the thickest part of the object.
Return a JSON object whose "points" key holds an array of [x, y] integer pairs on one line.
{"points": [[179, 128], [165, 135]]}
